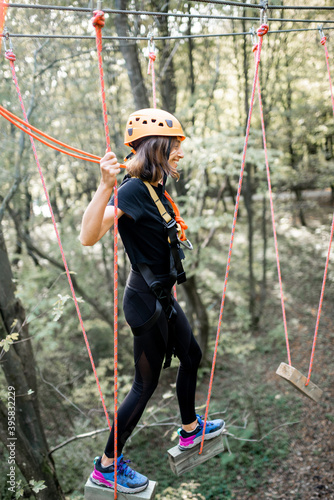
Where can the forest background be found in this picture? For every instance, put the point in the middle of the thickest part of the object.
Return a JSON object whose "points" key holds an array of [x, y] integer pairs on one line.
{"points": [[279, 443]]}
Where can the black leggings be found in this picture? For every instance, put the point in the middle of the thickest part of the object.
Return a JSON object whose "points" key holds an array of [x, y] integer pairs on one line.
{"points": [[149, 353]]}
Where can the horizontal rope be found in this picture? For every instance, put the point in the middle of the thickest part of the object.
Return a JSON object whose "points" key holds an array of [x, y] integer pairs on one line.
{"points": [[271, 7], [145, 38], [220, 2], [166, 14]]}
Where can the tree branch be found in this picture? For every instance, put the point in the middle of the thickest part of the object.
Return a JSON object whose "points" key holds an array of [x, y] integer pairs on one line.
{"points": [[78, 436]]}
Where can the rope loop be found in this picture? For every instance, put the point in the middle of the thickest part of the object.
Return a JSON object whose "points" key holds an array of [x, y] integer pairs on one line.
{"points": [[98, 20], [263, 30], [10, 55], [323, 40]]}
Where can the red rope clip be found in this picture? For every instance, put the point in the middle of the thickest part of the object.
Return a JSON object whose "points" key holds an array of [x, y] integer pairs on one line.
{"points": [[263, 30], [10, 55], [255, 47], [323, 40], [98, 19]]}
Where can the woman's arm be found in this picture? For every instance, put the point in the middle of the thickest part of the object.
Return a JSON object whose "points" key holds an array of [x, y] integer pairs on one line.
{"points": [[99, 217]]}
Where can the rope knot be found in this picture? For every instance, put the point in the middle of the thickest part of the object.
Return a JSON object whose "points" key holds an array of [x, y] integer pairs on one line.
{"points": [[152, 56], [98, 19], [323, 40], [263, 30], [10, 55]]}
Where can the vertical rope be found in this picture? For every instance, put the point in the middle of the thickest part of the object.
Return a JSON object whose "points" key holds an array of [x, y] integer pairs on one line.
{"points": [[150, 70], [11, 57], [98, 23], [255, 48], [323, 42], [261, 31]]}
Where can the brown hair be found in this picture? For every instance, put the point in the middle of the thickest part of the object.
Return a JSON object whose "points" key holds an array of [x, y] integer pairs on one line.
{"points": [[150, 162]]}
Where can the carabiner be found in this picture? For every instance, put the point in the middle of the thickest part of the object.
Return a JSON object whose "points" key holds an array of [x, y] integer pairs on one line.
{"points": [[187, 244]]}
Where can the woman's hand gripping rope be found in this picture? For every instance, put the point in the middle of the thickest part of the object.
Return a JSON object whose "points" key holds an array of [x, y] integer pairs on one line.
{"points": [[110, 168]]}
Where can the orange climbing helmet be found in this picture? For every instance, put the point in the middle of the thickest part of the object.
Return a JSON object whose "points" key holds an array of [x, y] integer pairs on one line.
{"points": [[151, 121]]}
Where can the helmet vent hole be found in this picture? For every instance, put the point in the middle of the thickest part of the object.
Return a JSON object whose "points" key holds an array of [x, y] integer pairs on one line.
{"points": [[145, 122], [137, 119], [130, 123], [169, 123], [153, 120], [161, 124]]}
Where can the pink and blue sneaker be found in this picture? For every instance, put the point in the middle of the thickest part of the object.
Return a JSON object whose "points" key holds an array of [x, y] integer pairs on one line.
{"points": [[190, 439], [128, 480]]}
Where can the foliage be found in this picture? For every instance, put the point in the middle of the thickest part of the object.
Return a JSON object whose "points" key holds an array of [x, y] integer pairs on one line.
{"points": [[59, 84], [6, 343]]}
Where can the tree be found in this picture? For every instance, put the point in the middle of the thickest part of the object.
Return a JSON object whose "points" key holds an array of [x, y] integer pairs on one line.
{"points": [[18, 364]]}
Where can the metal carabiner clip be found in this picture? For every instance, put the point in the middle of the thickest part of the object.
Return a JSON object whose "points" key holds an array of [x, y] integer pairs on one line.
{"points": [[6, 38], [151, 43], [187, 244]]}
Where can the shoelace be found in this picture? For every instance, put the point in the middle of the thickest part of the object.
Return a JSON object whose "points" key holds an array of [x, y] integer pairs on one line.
{"points": [[123, 468]]}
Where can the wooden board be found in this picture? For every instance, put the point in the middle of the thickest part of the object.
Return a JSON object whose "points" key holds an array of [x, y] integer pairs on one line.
{"points": [[298, 380], [95, 492], [183, 461]]}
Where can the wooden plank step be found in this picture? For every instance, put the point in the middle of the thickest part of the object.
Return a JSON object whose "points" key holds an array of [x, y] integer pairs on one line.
{"points": [[298, 380], [95, 492], [183, 461]]}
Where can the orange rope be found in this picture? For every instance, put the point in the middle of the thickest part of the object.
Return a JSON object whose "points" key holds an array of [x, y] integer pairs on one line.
{"points": [[255, 48], [68, 274], [323, 43], [178, 217], [15, 120], [27, 129], [98, 23], [261, 32], [3, 10]]}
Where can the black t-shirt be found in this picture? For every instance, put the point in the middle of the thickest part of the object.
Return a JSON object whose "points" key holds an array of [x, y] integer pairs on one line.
{"points": [[141, 227]]}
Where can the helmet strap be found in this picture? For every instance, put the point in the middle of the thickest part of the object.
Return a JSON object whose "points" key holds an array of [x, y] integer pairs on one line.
{"points": [[130, 155]]}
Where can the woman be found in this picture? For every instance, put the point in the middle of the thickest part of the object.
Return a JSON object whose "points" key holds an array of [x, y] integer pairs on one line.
{"points": [[159, 325]]}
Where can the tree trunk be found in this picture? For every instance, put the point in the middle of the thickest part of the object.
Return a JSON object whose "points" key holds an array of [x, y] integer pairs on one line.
{"points": [[199, 317], [130, 55], [248, 192], [18, 364], [167, 85]]}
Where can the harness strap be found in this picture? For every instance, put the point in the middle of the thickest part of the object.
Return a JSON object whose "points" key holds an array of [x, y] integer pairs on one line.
{"points": [[172, 228], [139, 330], [162, 210], [166, 301]]}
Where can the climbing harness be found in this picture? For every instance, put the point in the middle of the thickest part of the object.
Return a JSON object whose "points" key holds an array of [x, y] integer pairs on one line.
{"points": [[9, 54], [174, 230]]}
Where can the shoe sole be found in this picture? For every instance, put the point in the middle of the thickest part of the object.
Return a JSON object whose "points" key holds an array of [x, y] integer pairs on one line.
{"points": [[199, 439], [122, 489]]}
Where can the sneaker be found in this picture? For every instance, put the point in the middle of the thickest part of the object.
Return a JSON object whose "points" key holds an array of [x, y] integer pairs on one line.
{"points": [[128, 480], [189, 439]]}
